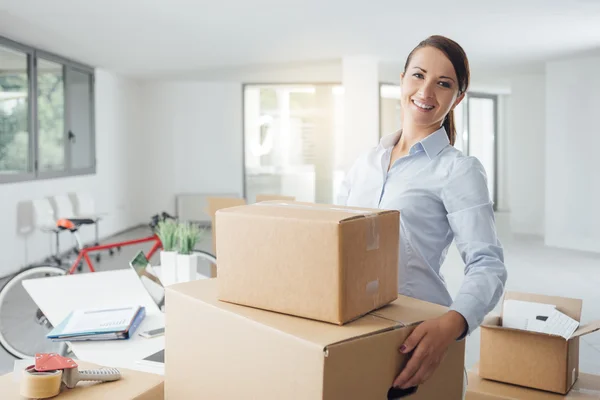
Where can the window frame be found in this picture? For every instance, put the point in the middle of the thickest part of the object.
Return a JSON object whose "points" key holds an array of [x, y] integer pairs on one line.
{"points": [[33, 173]]}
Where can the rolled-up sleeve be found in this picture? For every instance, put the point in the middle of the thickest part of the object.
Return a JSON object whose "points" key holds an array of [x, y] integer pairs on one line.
{"points": [[471, 217]]}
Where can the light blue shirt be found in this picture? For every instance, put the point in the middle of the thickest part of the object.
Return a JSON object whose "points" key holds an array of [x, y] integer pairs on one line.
{"points": [[442, 195]]}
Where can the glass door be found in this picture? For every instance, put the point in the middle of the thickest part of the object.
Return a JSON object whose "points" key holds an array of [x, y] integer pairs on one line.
{"points": [[482, 130]]}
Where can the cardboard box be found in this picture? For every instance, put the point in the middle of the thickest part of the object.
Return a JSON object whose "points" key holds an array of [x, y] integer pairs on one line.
{"points": [[586, 387], [219, 350], [533, 359], [215, 204], [316, 261], [133, 385]]}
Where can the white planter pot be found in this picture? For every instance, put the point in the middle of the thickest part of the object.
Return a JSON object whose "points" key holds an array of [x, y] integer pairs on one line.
{"points": [[187, 267], [168, 267]]}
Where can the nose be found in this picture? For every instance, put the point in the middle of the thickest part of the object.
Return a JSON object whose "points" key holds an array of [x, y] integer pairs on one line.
{"points": [[427, 89]]}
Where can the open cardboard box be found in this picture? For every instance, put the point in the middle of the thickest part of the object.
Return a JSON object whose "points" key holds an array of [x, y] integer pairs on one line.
{"points": [[219, 350], [587, 387], [532, 359]]}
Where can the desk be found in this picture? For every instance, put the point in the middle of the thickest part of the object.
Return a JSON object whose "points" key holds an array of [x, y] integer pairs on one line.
{"points": [[57, 296]]}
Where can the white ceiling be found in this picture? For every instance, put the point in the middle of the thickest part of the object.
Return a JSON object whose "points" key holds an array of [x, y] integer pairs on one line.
{"points": [[154, 37]]}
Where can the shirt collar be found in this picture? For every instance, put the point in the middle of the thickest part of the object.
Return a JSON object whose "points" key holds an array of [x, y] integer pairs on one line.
{"points": [[432, 144]]}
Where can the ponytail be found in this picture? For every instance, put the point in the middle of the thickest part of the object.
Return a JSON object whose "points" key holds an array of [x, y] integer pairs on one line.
{"points": [[450, 128]]}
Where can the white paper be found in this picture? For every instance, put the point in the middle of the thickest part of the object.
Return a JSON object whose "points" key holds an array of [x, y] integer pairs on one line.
{"points": [[96, 319], [560, 324], [526, 315]]}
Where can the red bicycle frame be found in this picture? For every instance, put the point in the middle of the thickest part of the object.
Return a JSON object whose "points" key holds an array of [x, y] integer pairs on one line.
{"points": [[83, 253]]}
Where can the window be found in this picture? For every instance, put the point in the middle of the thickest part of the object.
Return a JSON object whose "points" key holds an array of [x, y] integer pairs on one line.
{"points": [[46, 115], [15, 127], [290, 132]]}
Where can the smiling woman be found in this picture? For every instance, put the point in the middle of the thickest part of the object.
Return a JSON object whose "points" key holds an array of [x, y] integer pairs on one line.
{"points": [[442, 196]]}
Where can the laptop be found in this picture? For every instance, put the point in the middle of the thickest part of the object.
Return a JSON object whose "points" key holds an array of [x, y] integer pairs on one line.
{"points": [[143, 269]]}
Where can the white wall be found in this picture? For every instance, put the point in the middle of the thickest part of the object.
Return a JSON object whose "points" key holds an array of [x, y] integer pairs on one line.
{"points": [[572, 142], [116, 116], [524, 154], [193, 140]]}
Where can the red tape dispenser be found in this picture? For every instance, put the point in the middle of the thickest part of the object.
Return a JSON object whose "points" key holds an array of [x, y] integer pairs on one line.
{"points": [[52, 372]]}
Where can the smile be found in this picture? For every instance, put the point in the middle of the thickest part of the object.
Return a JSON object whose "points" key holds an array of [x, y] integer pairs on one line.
{"points": [[422, 106]]}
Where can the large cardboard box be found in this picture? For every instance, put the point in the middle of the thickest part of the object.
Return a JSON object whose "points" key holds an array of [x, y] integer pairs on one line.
{"points": [[219, 350], [532, 359], [328, 263], [586, 387], [133, 385]]}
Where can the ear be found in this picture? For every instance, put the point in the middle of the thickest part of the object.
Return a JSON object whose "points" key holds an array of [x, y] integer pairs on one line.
{"points": [[458, 100], [401, 76]]}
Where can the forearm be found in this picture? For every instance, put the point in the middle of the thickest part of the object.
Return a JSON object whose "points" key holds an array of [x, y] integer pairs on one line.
{"points": [[482, 288]]}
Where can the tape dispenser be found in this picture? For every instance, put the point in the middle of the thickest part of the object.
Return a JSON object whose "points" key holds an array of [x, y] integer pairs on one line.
{"points": [[52, 372]]}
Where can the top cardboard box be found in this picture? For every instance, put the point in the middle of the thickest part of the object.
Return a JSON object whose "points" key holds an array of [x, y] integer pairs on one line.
{"points": [[532, 359], [328, 263]]}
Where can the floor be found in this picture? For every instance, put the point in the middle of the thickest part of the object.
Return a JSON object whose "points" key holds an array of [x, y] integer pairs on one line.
{"points": [[532, 268]]}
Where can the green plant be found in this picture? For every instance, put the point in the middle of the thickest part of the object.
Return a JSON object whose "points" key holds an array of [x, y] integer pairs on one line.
{"points": [[188, 235], [167, 232]]}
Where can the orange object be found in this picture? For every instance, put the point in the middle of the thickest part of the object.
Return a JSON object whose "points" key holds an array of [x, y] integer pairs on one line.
{"points": [[65, 223]]}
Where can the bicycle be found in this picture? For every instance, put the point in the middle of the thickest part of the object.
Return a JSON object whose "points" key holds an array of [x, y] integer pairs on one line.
{"points": [[23, 326]]}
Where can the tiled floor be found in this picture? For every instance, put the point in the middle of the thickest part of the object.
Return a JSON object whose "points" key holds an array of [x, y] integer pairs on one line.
{"points": [[532, 268]]}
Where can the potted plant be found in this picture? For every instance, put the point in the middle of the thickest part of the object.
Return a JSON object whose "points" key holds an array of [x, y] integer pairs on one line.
{"points": [[187, 262], [167, 232]]}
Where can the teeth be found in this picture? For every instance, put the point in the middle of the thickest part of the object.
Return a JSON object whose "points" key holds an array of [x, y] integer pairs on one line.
{"points": [[422, 105]]}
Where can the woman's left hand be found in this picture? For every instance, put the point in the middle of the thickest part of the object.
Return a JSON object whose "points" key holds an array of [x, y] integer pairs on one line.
{"points": [[430, 341]]}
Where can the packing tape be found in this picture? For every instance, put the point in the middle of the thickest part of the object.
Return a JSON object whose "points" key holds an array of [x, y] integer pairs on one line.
{"points": [[372, 231], [40, 385]]}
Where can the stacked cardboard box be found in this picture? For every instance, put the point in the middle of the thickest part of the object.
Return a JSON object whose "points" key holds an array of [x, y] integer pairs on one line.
{"points": [[305, 306]]}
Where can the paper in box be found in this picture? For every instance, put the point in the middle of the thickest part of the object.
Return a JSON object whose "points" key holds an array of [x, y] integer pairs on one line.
{"points": [[531, 359], [220, 350], [328, 263]]}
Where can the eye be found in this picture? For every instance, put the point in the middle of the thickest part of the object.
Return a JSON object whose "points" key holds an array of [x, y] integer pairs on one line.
{"points": [[418, 75], [445, 84]]}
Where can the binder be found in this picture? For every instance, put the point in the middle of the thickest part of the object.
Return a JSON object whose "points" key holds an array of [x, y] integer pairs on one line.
{"points": [[99, 324]]}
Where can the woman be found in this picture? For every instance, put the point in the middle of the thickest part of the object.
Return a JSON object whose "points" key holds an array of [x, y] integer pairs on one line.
{"points": [[442, 196]]}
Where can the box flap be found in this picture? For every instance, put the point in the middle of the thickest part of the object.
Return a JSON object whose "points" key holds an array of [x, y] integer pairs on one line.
{"points": [[319, 333], [268, 197], [569, 306], [587, 328], [408, 310], [305, 211]]}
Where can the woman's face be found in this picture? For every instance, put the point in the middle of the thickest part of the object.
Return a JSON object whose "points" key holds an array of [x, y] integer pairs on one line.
{"points": [[429, 88]]}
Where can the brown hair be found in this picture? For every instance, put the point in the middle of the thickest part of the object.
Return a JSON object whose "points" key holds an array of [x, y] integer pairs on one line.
{"points": [[458, 58]]}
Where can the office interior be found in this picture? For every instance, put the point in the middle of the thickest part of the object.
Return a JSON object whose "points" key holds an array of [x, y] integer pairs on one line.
{"points": [[127, 109]]}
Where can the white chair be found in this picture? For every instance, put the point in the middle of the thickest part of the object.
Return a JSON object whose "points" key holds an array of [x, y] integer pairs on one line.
{"points": [[86, 208], [45, 221]]}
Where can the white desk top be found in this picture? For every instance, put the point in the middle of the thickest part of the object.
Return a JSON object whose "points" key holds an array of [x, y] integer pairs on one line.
{"points": [[57, 296]]}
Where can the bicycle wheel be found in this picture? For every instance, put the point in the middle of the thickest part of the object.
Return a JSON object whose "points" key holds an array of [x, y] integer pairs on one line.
{"points": [[206, 260], [23, 327]]}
